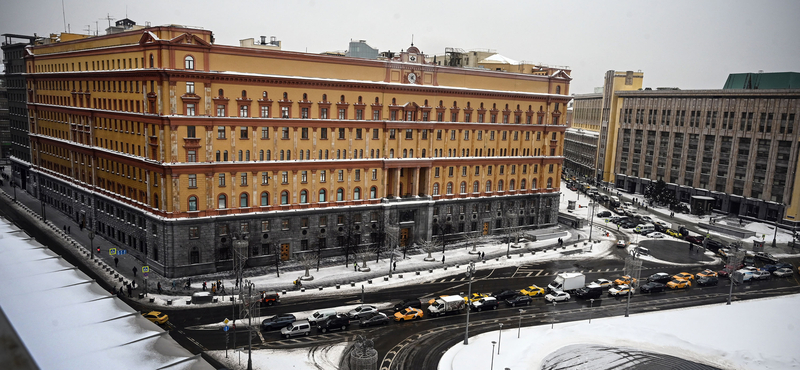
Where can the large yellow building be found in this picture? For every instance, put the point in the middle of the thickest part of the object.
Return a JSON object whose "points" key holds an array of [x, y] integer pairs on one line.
{"points": [[169, 145]]}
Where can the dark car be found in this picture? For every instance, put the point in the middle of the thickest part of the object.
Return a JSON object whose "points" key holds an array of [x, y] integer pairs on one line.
{"points": [[707, 281], [652, 287], [278, 322], [604, 214], [660, 277], [696, 239], [782, 265], [377, 319], [749, 260], [505, 294], [722, 273], [766, 257], [520, 300], [590, 292], [413, 302], [770, 268], [713, 245], [338, 322]]}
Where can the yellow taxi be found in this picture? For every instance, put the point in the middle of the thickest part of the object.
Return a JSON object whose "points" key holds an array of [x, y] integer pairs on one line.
{"points": [[673, 233], [625, 280], [532, 291], [156, 317], [707, 273], [408, 314], [679, 284], [475, 297], [684, 276]]}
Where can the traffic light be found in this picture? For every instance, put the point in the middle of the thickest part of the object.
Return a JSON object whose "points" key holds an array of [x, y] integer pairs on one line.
{"points": [[98, 249]]}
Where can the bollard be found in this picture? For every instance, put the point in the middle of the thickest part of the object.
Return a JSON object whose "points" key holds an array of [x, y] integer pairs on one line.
{"points": [[532, 253], [215, 300], [521, 255], [369, 281], [302, 289], [508, 256], [337, 286], [385, 278], [430, 271], [497, 259], [120, 279], [152, 300], [231, 298], [400, 276], [445, 268], [352, 284], [188, 301], [283, 292], [169, 302], [320, 288], [458, 266], [141, 295], [484, 261], [417, 272]]}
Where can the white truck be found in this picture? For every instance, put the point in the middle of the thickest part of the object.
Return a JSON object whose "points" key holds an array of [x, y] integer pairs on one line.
{"points": [[446, 304], [567, 282]]}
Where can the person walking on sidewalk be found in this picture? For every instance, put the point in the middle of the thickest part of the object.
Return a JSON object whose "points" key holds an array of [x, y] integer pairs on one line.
{"points": [[395, 266], [159, 287], [116, 262], [443, 259], [355, 266], [204, 286], [134, 271]]}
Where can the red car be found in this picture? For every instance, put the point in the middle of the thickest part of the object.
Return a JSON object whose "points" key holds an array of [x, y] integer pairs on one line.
{"points": [[696, 239], [722, 273]]}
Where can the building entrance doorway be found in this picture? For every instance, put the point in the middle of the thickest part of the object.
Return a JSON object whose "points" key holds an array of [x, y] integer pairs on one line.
{"points": [[404, 236], [285, 252]]}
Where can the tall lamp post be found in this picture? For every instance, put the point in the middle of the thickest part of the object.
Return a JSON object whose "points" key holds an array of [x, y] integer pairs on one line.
{"points": [[470, 274], [591, 304], [499, 338], [777, 217], [491, 367], [519, 326], [591, 223], [91, 241]]}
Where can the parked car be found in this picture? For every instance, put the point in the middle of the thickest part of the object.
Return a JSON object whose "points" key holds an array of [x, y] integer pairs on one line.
{"points": [[505, 294], [674, 233], [684, 276], [486, 303], [652, 287], [766, 257], [532, 291], [659, 277], [761, 275], [278, 322], [364, 310], [620, 290], [475, 297], [679, 284], [591, 291], [377, 319], [602, 282], [519, 301], [412, 302], [656, 235], [722, 274], [783, 272], [781, 265], [696, 239], [604, 214], [621, 244], [156, 317], [320, 316], [296, 328], [338, 322], [624, 280], [770, 268], [557, 296], [408, 314], [707, 280], [270, 298], [706, 273]]}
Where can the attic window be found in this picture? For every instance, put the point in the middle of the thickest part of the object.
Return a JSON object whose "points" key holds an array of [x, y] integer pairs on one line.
{"points": [[188, 62]]}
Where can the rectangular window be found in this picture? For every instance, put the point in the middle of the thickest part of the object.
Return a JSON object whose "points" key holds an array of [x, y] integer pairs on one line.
{"points": [[191, 156], [190, 88], [284, 133], [341, 133], [450, 171], [304, 133], [220, 110], [342, 114], [424, 134], [323, 113], [194, 232], [341, 175], [244, 227], [323, 221], [220, 132], [359, 114], [375, 134], [264, 111], [323, 133], [439, 116], [409, 134], [284, 177], [192, 181], [243, 132], [358, 134], [284, 112], [376, 115], [436, 172], [265, 178], [425, 116], [285, 224], [191, 110], [391, 134], [358, 175], [304, 176], [264, 226], [222, 180], [322, 176], [304, 113], [463, 170], [190, 131], [265, 132], [491, 135], [374, 174]]}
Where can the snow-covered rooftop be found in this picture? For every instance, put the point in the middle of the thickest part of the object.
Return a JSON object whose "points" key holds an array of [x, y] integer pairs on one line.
{"points": [[497, 58], [65, 320]]}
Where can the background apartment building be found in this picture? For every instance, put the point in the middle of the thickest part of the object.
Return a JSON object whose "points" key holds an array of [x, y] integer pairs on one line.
{"points": [[172, 146]]}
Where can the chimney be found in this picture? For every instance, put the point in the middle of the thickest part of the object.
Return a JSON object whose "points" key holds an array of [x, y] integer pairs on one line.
{"points": [[263, 40]]}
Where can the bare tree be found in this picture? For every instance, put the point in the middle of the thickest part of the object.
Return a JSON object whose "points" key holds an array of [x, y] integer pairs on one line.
{"points": [[364, 253], [307, 260], [473, 239], [512, 233], [430, 247]]}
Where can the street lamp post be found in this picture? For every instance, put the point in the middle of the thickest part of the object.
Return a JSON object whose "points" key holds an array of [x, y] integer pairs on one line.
{"points": [[591, 223], [491, 367], [91, 241], [519, 327], [591, 304], [777, 217], [499, 338], [470, 274]]}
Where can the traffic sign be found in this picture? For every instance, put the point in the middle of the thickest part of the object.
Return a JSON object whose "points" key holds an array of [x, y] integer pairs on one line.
{"points": [[226, 321], [145, 269], [225, 328], [112, 251], [145, 275], [122, 251]]}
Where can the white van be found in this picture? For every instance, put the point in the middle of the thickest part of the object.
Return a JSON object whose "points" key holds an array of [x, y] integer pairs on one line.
{"points": [[321, 315], [296, 328], [614, 201], [644, 227]]}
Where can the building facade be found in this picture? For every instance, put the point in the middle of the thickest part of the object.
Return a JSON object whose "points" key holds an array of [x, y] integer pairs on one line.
{"points": [[739, 146], [14, 52], [172, 146], [5, 127]]}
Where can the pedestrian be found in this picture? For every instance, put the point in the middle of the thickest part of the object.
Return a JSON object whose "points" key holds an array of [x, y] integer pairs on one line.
{"points": [[222, 289], [213, 288], [159, 287], [65, 227], [130, 291], [443, 259], [483, 255], [236, 284], [134, 271], [395, 266], [691, 246], [355, 266], [173, 284], [69, 229], [116, 262], [204, 286]]}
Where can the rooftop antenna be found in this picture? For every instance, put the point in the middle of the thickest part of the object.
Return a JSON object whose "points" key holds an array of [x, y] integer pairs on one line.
{"points": [[64, 15], [412, 39], [88, 30], [96, 28], [109, 18]]}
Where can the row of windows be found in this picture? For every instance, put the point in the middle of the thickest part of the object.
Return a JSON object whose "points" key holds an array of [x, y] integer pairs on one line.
{"points": [[766, 121], [489, 189], [322, 197]]}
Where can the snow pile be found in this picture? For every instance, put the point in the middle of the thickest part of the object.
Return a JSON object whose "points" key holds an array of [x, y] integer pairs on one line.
{"points": [[317, 358], [707, 334]]}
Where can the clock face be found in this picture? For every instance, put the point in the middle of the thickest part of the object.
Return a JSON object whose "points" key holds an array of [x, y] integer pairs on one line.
{"points": [[412, 78]]}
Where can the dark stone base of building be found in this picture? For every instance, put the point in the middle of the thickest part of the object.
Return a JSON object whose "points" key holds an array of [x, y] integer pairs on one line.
{"points": [[191, 246]]}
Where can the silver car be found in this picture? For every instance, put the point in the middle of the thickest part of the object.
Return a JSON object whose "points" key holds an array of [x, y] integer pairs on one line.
{"points": [[364, 310]]}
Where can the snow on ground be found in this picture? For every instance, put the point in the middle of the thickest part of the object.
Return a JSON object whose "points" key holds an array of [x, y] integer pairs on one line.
{"points": [[706, 334], [317, 358]]}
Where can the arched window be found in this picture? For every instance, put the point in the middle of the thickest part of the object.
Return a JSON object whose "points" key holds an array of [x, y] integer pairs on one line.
{"points": [[221, 93], [341, 99], [500, 185], [391, 153], [449, 188], [188, 62], [558, 89], [244, 94], [372, 153], [222, 201], [488, 186], [192, 203], [218, 156], [284, 197], [325, 97], [357, 194], [475, 187], [243, 201], [264, 95], [303, 196], [376, 100], [394, 101], [441, 103], [511, 185], [549, 182], [269, 155], [411, 153], [225, 156], [155, 201], [359, 100], [339, 194], [152, 60], [247, 155], [285, 96], [261, 155], [522, 184], [282, 154], [533, 184], [405, 153], [322, 197], [463, 188], [264, 199], [373, 192], [423, 153], [288, 155], [305, 96], [436, 188], [240, 155]]}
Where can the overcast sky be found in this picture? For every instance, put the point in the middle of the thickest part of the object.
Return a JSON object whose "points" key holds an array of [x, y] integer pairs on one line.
{"points": [[686, 44]]}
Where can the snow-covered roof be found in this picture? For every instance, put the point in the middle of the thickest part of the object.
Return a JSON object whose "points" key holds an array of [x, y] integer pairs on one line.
{"points": [[497, 58], [65, 320]]}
